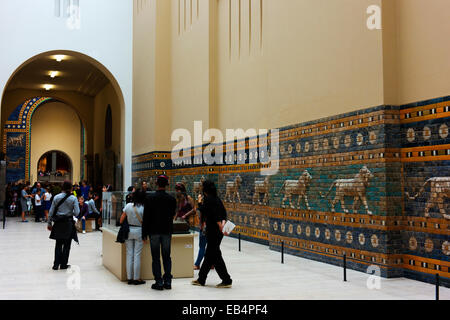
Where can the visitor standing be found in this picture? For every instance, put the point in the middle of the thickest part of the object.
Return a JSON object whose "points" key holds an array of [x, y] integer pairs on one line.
{"points": [[84, 189], [24, 196], [144, 186], [129, 197], [134, 212], [201, 239], [62, 225], [38, 208], [215, 217], [159, 212], [185, 203], [47, 202]]}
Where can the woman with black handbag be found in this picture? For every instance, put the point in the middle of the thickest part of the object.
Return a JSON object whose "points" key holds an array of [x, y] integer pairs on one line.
{"points": [[133, 213], [64, 208]]}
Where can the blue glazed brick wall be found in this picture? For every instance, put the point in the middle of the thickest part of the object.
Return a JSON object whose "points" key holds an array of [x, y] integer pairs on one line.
{"points": [[392, 234]]}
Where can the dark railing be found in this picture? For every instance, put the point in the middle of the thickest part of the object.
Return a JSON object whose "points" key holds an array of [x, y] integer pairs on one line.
{"points": [[53, 178]]}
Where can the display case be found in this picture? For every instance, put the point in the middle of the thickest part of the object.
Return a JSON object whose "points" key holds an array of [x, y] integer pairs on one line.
{"points": [[113, 204], [114, 253]]}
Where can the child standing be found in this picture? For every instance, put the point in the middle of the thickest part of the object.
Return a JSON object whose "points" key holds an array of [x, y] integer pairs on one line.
{"points": [[38, 206], [47, 202]]}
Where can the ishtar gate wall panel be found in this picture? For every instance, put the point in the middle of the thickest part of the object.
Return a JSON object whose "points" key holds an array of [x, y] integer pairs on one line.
{"points": [[374, 184]]}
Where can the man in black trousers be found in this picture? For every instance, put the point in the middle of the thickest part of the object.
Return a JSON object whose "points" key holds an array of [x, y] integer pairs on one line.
{"points": [[159, 213]]}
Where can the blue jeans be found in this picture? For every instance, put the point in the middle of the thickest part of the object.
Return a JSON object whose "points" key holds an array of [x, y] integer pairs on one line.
{"points": [[201, 249], [134, 245], [160, 243]]}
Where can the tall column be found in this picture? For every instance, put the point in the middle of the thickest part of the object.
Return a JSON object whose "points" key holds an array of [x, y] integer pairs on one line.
{"points": [[53, 161]]}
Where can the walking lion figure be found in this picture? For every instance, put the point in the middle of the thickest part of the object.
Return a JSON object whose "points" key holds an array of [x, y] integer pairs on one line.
{"points": [[296, 187], [439, 192], [261, 187], [355, 188], [14, 164], [16, 141], [232, 190]]}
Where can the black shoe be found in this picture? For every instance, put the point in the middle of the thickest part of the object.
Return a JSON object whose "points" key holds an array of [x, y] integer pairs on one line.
{"points": [[197, 283], [130, 281], [138, 282], [167, 286], [156, 286], [65, 267], [55, 267], [224, 285]]}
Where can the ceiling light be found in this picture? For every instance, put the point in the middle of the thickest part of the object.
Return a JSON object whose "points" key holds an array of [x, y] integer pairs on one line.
{"points": [[59, 57], [53, 74], [48, 86]]}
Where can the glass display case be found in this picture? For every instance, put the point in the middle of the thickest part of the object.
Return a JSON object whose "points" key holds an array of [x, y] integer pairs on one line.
{"points": [[113, 204], [112, 208]]}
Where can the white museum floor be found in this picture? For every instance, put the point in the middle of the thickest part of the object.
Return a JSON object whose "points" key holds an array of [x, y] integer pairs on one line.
{"points": [[26, 255]]}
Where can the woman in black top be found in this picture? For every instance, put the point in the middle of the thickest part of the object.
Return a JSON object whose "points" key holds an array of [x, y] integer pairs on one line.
{"points": [[215, 215]]}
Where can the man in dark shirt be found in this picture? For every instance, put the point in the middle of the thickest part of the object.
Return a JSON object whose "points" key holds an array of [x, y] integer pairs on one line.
{"points": [[159, 212], [85, 190]]}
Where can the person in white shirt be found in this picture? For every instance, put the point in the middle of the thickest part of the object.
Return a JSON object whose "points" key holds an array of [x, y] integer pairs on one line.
{"points": [[47, 202], [38, 206], [134, 212]]}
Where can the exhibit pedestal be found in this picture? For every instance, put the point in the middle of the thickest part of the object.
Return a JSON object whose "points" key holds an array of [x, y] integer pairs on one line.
{"points": [[182, 254]]}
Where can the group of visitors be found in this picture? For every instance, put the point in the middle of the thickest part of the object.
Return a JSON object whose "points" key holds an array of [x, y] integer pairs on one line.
{"points": [[150, 217], [26, 199], [48, 173]]}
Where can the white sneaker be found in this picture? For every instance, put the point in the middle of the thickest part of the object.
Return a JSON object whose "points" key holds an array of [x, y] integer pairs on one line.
{"points": [[84, 231]]}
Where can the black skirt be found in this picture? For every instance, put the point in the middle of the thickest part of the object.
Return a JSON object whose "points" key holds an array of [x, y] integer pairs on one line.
{"points": [[64, 230]]}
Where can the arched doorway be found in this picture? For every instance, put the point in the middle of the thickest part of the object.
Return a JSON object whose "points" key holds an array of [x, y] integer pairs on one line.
{"points": [[54, 167], [78, 75], [20, 150]]}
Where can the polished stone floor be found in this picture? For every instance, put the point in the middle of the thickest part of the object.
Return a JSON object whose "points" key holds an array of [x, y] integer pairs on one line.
{"points": [[26, 255]]}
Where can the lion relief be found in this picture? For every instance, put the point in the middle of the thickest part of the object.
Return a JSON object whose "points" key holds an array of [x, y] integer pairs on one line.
{"points": [[261, 187], [355, 188], [439, 192], [296, 187], [232, 189]]}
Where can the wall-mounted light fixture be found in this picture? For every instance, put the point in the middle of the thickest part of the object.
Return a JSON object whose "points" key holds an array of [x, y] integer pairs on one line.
{"points": [[53, 74], [59, 57], [48, 86]]}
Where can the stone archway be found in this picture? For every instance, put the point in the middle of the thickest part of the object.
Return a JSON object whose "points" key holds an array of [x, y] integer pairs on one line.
{"points": [[17, 139], [21, 168]]}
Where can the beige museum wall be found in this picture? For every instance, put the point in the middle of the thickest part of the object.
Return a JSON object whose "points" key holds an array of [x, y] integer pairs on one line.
{"points": [[107, 96], [151, 75], [189, 64], [310, 59], [63, 134], [423, 49], [287, 62]]}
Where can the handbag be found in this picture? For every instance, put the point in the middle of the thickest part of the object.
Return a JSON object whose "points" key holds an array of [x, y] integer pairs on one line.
{"points": [[124, 230]]}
